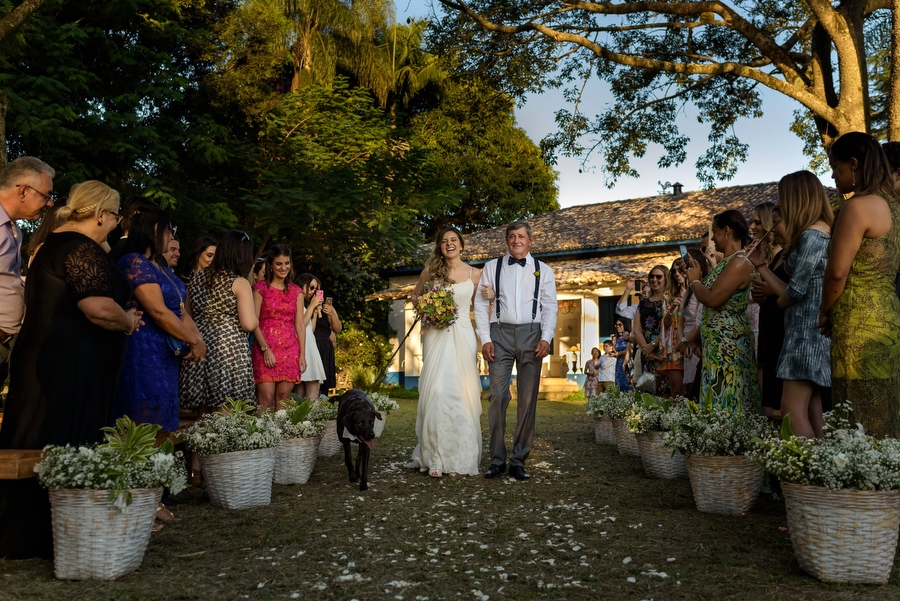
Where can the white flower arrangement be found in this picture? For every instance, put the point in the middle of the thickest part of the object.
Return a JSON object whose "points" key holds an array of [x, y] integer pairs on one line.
{"points": [[322, 410], [654, 414], [232, 430], [129, 459], [710, 429], [613, 403], [844, 458], [293, 419], [383, 402]]}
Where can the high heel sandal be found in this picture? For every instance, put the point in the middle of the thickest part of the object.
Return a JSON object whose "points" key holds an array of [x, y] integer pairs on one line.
{"points": [[434, 472], [163, 514]]}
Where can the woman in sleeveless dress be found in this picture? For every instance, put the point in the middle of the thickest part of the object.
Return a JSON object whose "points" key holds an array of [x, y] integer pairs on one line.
{"points": [[448, 421], [859, 307], [314, 376], [728, 377], [278, 355]]}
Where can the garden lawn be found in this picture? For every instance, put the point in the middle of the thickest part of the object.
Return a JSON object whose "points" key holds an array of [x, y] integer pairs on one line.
{"points": [[588, 525]]}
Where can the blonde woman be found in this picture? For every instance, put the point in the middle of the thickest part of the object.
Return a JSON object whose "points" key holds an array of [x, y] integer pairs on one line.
{"points": [[448, 421], [68, 354]]}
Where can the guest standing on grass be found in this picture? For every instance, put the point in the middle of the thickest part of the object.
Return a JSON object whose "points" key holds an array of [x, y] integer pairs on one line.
{"points": [[278, 355], [606, 379], [621, 353], [311, 379], [591, 372], [860, 309], [804, 364], [67, 358], [518, 332]]}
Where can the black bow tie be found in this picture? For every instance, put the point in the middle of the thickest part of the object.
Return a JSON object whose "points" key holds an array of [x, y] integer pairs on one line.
{"points": [[513, 260]]}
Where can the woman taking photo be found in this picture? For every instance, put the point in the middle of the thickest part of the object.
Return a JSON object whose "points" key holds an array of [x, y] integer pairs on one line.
{"points": [[591, 372], [804, 364], [327, 327], [148, 386], [67, 356], [621, 353], [859, 308], [671, 360], [647, 323], [728, 364], [278, 356], [312, 377], [690, 321]]}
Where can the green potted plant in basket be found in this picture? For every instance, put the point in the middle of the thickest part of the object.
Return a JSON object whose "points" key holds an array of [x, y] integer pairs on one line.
{"points": [[610, 407], [324, 411], [384, 404], [237, 454], [104, 499], [842, 497], [300, 438], [650, 420], [714, 441]]}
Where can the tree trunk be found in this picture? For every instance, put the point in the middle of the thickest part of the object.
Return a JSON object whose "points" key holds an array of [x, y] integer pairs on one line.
{"points": [[893, 105], [14, 18], [4, 104]]}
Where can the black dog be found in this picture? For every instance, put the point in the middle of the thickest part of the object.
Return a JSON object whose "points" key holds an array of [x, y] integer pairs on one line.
{"points": [[356, 423]]}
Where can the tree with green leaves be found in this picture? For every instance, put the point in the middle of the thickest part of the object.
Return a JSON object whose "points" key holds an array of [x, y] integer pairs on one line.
{"points": [[659, 56]]}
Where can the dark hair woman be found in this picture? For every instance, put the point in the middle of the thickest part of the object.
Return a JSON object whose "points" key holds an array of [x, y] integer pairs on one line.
{"points": [[622, 353], [281, 338], [148, 387], [200, 257], [314, 375], [647, 324], [67, 356], [728, 365], [859, 307]]}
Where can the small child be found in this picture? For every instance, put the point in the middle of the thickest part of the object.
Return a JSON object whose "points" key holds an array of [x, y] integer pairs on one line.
{"points": [[606, 378]]}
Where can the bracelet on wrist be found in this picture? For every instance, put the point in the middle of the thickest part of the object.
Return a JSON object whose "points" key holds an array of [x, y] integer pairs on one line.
{"points": [[693, 282], [756, 267], [263, 349]]}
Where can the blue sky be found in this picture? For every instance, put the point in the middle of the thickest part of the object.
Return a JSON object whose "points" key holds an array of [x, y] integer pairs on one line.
{"points": [[774, 150]]}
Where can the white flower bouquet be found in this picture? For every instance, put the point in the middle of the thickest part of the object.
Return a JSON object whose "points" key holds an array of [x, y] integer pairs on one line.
{"points": [[322, 410], [383, 402], [613, 403], [845, 458], [232, 429], [654, 414], [128, 459], [711, 430], [293, 419]]}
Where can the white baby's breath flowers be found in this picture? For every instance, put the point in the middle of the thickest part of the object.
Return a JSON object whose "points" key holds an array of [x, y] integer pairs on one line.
{"points": [[707, 429], [383, 403], [322, 410], [612, 404], [228, 432]]}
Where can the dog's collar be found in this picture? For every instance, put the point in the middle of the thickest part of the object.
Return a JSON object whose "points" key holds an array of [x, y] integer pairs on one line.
{"points": [[354, 438]]}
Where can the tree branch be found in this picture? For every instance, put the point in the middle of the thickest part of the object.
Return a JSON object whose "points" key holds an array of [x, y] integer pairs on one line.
{"points": [[14, 19]]}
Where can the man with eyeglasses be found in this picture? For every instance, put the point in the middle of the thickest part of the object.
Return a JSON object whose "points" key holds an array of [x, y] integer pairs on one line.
{"points": [[26, 185]]}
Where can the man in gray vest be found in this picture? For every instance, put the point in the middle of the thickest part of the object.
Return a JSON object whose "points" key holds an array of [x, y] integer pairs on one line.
{"points": [[517, 333]]}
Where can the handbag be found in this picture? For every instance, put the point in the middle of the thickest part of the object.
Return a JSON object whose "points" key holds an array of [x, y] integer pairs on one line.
{"points": [[178, 346]]}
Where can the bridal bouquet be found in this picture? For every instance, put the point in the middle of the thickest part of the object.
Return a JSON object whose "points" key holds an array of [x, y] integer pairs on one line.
{"points": [[436, 307]]}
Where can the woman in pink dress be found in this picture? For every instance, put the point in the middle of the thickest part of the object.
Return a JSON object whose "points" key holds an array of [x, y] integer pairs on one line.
{"points": [[278, 355]]}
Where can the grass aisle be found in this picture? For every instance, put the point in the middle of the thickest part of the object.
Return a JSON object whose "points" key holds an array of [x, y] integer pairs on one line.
{"points": [[588, 525]]}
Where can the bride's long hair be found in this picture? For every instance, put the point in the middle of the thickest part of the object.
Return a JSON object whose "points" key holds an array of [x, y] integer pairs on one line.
{"points": [[436, 263]]}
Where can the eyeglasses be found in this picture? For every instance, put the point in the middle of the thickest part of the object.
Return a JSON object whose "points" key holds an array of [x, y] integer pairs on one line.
{"points": [[44, 195], [118, 217], [618, 325], [655, 276]]}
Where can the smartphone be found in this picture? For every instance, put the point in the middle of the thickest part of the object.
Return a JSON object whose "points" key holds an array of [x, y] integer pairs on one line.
{"points": [[638, 286], [320, 294], [328, 300], [683, 250]]}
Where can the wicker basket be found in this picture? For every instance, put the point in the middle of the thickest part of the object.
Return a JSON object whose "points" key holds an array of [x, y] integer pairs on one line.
{"points": [[93, 539], [295, 459], [724, 484], [603, 431], [330, 444], [843, 535], [625, 440], [659, 462], [379, 425], [241, 479]]}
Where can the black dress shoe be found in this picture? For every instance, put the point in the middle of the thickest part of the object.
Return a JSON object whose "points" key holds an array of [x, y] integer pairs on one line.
{"points": [[518, 472], [494, 471]]}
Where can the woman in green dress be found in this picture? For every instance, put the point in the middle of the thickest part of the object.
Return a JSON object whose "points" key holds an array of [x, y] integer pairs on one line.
{"points": [[859, 307], [728, 374]]}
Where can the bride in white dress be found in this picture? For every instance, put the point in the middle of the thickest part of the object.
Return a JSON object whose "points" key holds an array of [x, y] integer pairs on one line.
{"points": [[448, 422]]}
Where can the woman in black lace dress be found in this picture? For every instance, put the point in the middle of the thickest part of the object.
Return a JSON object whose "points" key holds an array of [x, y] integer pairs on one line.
{"points": [[67, 356]]}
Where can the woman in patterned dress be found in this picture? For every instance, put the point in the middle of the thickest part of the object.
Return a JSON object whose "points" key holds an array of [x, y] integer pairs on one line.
{"points": [[859, 307], [278, 356], [621, 354], [672, 361], [804, 363], [591, 371], [647, 324], [221, 303], [728, 375]]}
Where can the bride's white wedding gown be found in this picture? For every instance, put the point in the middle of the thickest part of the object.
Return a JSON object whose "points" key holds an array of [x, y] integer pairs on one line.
{"points": [[448, 421]]}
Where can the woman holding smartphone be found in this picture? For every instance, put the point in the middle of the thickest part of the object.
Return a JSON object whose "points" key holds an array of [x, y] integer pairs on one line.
{"points": [[311, 379], [326, 327]]}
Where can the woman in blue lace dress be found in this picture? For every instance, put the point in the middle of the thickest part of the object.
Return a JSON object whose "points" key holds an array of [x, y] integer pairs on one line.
{"points": [[621, 355], [148, 384]]}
